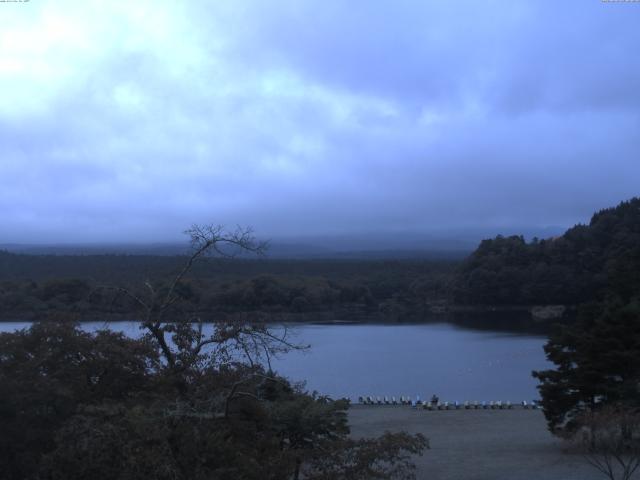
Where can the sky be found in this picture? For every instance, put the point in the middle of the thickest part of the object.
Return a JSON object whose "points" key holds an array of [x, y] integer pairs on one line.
{"points": [[130, 121]]}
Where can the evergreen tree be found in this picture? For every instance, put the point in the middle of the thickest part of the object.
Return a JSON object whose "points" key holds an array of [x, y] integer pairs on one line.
{"points": [[585, 264], [597, 363]]}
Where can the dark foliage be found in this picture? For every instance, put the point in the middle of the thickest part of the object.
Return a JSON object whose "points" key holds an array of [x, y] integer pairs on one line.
{"points": [[178, 403], [49, 371], [595, 267], [585, 263], [597, 364], [77, 405], [598, 357], [32, 286]]}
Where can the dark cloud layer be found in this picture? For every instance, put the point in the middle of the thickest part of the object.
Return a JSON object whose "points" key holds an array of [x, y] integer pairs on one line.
{"points": [[130, 122]]}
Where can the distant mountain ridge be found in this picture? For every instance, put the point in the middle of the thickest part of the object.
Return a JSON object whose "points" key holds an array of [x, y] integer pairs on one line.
{"points": [[455, 244], [160, 249]]}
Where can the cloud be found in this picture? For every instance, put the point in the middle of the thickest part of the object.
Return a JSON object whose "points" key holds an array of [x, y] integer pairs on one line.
{"points": [[132, 121]]}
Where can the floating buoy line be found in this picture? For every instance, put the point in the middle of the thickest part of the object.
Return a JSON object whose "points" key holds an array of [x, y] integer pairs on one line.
{"points": [[438, 405]]}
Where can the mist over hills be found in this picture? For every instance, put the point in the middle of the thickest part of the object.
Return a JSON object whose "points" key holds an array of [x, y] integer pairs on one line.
{"points": [[449, 244]]}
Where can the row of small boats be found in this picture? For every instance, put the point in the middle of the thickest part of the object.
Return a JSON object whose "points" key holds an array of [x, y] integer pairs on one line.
{"points": [[437, 405]]}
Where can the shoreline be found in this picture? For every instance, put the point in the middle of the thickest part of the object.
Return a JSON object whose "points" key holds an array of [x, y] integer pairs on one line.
{"points": [[508, 320]]}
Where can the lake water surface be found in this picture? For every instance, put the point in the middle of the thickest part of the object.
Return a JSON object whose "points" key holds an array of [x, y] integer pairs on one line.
{"points": [[349, 360]]}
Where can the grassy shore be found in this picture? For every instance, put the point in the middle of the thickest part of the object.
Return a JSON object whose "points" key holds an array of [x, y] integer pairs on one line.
{"points": [[478, 444]]}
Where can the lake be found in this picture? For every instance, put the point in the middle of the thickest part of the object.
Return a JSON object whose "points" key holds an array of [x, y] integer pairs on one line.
{"points": [[349, 360]]}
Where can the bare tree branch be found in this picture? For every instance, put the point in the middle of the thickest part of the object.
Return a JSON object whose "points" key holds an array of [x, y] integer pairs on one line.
{"points": [[126, 292], [188, 344], [609, 438]]}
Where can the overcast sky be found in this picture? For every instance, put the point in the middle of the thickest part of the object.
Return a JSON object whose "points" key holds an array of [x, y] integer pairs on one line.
{"points": [[133, 120]]}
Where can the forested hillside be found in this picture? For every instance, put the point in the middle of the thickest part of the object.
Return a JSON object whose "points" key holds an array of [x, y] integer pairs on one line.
{"points": [[587, 263], [35, 285]]}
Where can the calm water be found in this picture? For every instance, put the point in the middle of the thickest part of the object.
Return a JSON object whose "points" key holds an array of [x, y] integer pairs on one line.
{"points": [[413, 359]]}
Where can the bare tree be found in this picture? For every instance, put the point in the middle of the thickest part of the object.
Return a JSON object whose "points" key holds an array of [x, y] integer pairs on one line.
{"points": [[610, 440], [211, 407], [180, 336]]}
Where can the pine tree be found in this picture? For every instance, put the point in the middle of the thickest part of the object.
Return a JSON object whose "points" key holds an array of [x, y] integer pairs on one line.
{"points": [[598, 363]]}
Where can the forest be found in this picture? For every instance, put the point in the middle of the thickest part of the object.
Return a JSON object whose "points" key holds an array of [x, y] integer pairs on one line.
{"points": [[31, 286], [587, 262]]}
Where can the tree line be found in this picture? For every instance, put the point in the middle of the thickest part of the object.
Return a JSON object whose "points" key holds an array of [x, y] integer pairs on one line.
{"points": [[595, 267], [32, 286], [592, 395], [585, 263]]}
